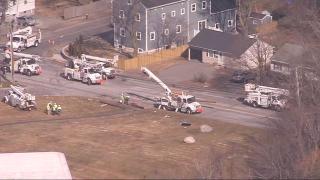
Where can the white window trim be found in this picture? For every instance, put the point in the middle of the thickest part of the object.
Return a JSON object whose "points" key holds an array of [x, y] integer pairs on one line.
{"points": [[154, 33], [230, 23], [129, 2], [138, 15], [166, 31], [255, 22], [124, 32], [163, 16], [183, 11], [121, 15], [205, 24], [205, 3], [173, 13], [137, 36], [195, 7], [140, 50], [212, 54], [177, 29]]}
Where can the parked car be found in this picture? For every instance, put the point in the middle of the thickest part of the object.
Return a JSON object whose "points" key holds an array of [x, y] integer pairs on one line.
{"points": [[243, 76], [26, 21]]}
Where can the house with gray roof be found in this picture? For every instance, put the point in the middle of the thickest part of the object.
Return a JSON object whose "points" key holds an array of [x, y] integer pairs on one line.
{"points": [[287, 57], [257, 19], [160, 24], [228, 50]]}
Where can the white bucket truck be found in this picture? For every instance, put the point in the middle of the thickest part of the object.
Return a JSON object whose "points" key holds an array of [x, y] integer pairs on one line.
{"points": [[85, 74], [23, 39]]}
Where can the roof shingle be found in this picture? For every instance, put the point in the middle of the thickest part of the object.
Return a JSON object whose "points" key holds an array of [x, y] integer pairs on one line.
{"points": [[223, 42], [155, 3], [222, 5]]}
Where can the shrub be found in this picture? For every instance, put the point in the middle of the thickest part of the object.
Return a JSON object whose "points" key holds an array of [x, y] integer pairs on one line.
{"points": [[200, 77]]}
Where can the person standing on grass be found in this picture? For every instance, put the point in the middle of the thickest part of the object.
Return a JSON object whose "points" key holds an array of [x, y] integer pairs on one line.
{"points": [[49, 106]]}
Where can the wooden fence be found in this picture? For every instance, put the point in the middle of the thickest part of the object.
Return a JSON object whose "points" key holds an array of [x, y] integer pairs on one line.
{"points": [[86, 9], [165, 55]]}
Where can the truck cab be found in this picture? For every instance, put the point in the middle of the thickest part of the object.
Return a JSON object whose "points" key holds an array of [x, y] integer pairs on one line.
{"points": [[188, 104], [106, 70], [27, 66]]}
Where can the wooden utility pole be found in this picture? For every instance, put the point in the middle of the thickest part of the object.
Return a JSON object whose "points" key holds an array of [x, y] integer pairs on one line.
{"points": [[11, 53]]}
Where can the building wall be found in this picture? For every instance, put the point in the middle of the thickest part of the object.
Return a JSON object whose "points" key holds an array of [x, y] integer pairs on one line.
{"points": [[267, 20], [23, 7], [140, 26], [228, 60]]}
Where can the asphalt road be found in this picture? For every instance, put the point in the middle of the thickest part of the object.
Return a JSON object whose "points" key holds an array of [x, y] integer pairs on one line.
{"points": [[227, 108]]}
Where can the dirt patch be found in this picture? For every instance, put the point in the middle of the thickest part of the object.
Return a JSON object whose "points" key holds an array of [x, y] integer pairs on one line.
{"points": [[56, 50], [142, 144]]}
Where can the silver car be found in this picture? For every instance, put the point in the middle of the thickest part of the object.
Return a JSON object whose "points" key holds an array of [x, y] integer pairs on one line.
{"points": [[26, 21]]}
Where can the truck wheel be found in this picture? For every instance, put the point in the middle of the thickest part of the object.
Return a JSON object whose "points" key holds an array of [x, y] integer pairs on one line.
{"points": [[255, 104], [36, 44], [69, 77], [19, 49], [29, 73], [189, 111], [278, 108], [89, 82]]}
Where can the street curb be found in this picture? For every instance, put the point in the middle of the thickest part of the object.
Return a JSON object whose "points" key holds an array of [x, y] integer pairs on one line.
{"points": [[64, 55]]}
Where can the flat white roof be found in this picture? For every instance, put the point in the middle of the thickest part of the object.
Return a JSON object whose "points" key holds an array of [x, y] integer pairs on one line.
{"points": [[35, 165]]}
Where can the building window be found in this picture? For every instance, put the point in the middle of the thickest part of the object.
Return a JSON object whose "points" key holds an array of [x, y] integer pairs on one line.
{"points": [[178, 28], [216, 25], [129, 2], [166, 31], [212, 54], [121, 14], [138, 17], [193, 7], [255, 22], [25, 2], [173, 13], [163, 15], [183, 10], [230, 22], [138, 34], [122, 32], [152, 36], [204, 4], [140, 50]]}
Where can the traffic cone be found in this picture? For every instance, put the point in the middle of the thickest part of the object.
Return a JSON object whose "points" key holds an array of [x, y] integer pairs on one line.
{"points": [[106, 79], [49, 42], [52, 43]]}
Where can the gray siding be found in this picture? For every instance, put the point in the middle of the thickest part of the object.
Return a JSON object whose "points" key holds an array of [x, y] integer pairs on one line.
{"points": [[228, 60], [140, 26]]}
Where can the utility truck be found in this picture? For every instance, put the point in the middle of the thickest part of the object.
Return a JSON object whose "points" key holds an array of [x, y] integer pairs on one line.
{"points": [[175, 101], [83, 73], [25, 64], [24, 38], [103, 66], [266, 97], [17, 98]]}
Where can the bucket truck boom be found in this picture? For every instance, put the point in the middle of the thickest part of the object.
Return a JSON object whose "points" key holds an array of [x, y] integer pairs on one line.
{"points": [[183, 102]]}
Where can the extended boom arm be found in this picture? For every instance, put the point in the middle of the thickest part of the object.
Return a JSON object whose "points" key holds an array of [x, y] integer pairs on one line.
{"points": [[157, 80], [113, 61]]}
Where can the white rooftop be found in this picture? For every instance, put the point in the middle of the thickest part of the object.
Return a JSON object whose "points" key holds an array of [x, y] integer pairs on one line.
{"points": [[37, 165]]}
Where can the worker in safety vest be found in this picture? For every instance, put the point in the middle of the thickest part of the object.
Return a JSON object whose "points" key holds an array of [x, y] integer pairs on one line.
{"points": [[54, 108], [49, 106], [59, 110], [122, 98]]}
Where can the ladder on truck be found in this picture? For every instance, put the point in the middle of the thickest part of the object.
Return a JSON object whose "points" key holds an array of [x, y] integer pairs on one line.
{"points": [[25, 31], [265, 89], [22, 55], [113, 61], [19, 91]]}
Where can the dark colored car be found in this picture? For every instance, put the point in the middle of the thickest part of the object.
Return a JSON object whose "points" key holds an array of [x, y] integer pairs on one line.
{"points": [[244, 76], [26, 21]]}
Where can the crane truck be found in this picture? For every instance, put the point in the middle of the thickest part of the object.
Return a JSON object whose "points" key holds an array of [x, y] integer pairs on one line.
{"points": [[266, 97], [26, 64], [24, 38], [174, 101], [17, 98], [102, 66]]}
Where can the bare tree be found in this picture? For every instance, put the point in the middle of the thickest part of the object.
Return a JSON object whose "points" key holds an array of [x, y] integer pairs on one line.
{"points": [[244, 9], [125, 16], [169, 31], [4, 6], [257, 58]]}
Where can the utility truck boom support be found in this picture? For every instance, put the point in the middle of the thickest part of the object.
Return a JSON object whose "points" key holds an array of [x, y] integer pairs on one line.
{"points": [[172, 101]]}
